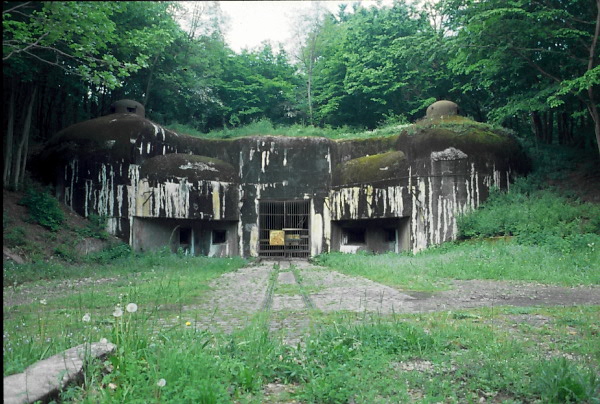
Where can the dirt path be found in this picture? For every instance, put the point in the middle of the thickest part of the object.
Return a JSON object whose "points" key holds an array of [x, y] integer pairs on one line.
{"points": [[287, 292]]}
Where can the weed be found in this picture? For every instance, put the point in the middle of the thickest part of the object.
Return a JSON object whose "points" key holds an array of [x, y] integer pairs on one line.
{"points": [[15, 237], [561, 381], [43, 208], [95, 227], [539, 218], [66, 252], [112, 252]]}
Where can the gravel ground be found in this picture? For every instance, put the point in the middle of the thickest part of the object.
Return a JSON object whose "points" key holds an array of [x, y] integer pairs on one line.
{"points": [[234, 297]]}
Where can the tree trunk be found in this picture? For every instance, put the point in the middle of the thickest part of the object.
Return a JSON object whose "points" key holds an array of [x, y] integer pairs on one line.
{"points": [[561, 129], [149, 83], [23, 144], [549, 127], [536, 125], [565, 128], [309, 93], [596, 118], [592, 106], [8, 147], [103, 108]]}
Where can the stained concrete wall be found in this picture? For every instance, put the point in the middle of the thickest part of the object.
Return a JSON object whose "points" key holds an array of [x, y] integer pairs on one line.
{"points": [[136, 174], [282, 168]]}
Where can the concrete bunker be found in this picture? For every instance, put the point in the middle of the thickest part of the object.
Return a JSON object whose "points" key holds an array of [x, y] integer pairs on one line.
{"points": [[275, 196]]}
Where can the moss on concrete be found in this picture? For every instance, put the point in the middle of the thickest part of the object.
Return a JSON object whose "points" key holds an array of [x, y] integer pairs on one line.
{"points": [[354, 148], [370, 168], [194, 168], [477, 140]]}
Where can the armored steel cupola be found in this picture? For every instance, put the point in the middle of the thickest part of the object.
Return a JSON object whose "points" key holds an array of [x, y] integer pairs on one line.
{"points": [[443, 108], [128, 107]]}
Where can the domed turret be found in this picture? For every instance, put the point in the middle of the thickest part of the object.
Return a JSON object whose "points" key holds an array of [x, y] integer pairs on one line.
{"points": [[441, 109]]}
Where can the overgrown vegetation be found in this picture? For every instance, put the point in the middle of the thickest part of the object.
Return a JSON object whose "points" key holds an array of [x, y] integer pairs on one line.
{"points": [[43, 208], [352, 68], [96, 227], [264, 127], [541, 217], [535, 213]]}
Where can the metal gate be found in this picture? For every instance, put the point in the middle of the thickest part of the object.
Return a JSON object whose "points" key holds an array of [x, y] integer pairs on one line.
{"points": [[284, 229]]}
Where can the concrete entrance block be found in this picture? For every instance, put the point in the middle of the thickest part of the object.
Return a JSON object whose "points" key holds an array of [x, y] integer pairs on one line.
{"points": [[44, 379]]}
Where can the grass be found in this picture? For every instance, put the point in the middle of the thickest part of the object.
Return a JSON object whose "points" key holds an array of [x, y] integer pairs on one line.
{"points": [[411, 358], [434, 268], [498, 353], [161, 284], [265, 127]]}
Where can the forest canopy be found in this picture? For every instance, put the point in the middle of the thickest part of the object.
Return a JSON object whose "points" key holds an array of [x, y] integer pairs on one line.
{"points": [[529, 65]]}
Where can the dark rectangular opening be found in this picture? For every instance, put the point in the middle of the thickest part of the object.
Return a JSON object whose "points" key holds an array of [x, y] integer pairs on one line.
{"points": [[376, 235], [354, 236], [185, 236], [219, 236]]}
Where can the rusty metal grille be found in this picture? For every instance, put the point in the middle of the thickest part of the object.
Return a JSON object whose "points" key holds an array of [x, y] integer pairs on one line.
{"points": [[291, 218]]}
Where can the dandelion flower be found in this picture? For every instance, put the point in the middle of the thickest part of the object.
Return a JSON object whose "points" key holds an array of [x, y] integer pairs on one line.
{"points": [[188, 323], [132, 307], [112, 386], [118, 312], [86, 318], [44, 302], [161, 383]]}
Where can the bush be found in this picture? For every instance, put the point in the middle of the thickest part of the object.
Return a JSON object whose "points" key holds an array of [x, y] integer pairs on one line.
{"points": [[561, 381], [66, 252], [96, 227], [110, 253], [264, 126], [43, 208], [542, 217]]}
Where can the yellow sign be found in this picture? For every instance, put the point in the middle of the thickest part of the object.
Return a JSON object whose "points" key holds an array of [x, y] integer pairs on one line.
{"points": [[276, 237]]}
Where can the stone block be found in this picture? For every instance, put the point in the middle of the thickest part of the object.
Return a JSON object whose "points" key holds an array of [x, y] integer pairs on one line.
{"points": [[44, 379]]}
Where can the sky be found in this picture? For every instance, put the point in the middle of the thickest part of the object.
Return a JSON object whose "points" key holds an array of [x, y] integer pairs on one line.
{"points": [[252, 22]]}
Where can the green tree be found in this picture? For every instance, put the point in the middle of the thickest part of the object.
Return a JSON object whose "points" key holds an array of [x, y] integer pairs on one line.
{"points": [[259, 84], [62, 62], [377, 64], [534, 57], [309, 36], [72, 36]]}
